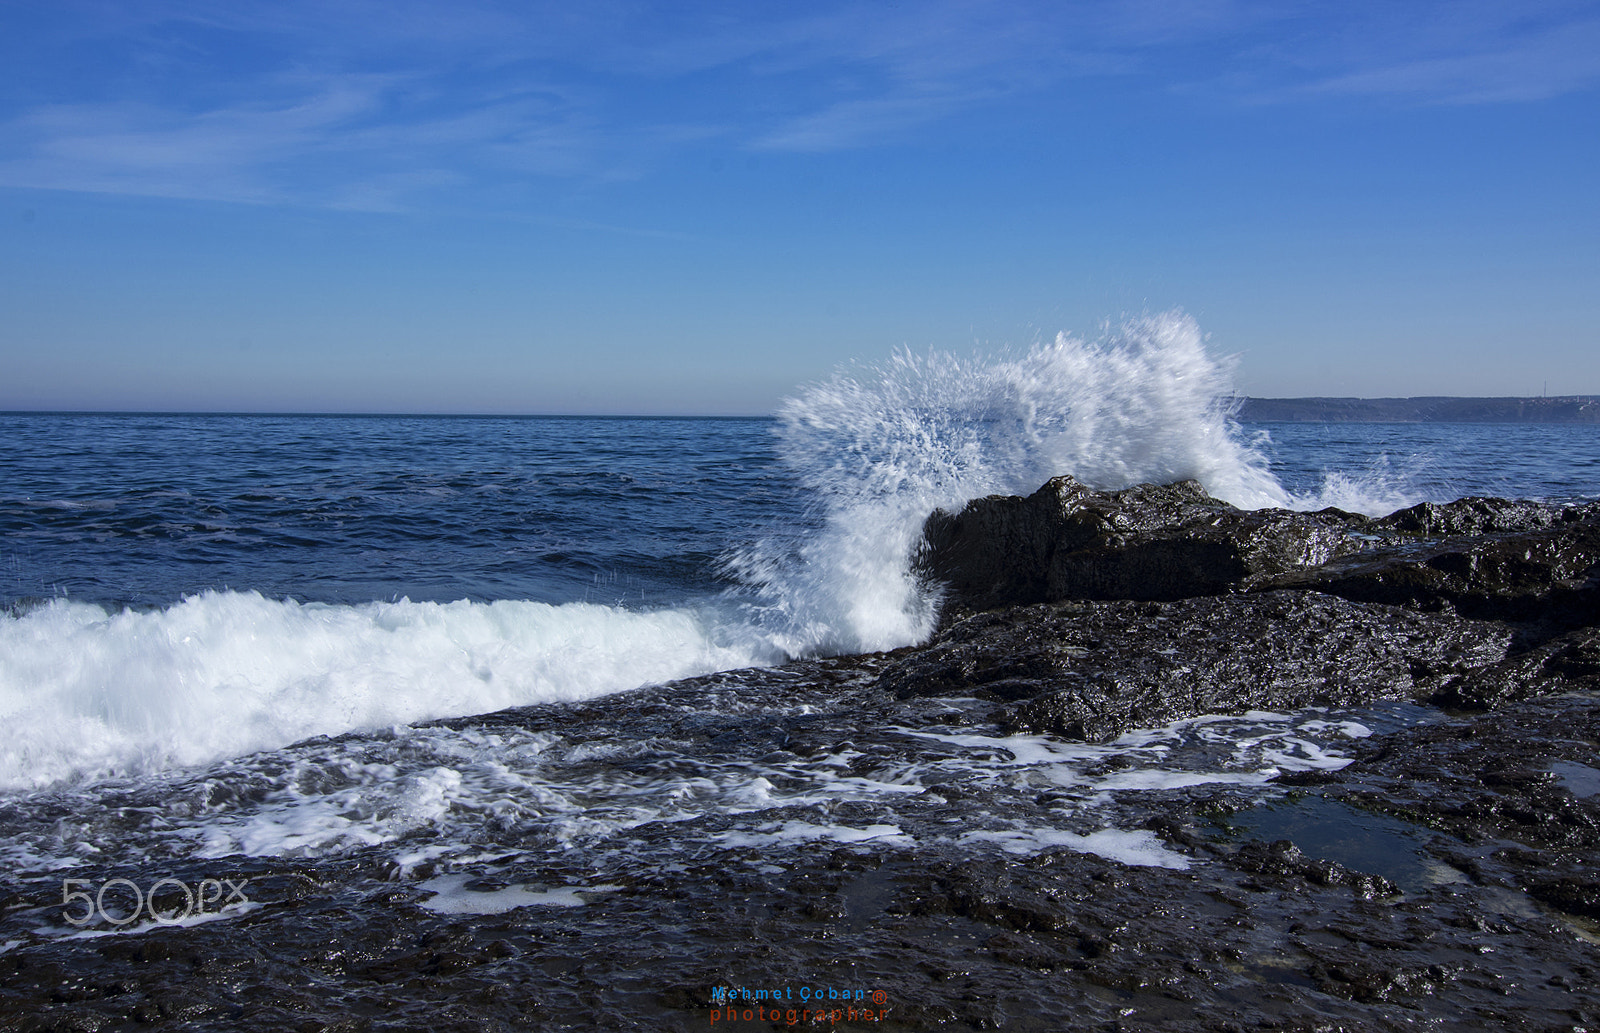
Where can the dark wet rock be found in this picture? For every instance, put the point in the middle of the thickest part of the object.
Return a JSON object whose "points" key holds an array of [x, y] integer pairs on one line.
{"points": [[1169, 603], [1573, 894], [1148, 542], [1485, 794], [1477, 516], [1362, 980], [1568, 661], [1281, 859], [1491, 559], [1550, 576], [1092, 670]]}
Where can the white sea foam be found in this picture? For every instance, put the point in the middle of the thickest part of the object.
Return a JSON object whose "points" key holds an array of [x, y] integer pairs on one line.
{"points": [[1377, 490], [87, 693], [452, 897], [440, 800], [1137, 847], [790, 833]]}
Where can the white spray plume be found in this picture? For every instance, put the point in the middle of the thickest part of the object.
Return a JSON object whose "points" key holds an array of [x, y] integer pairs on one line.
{"points": [[880, 447]]}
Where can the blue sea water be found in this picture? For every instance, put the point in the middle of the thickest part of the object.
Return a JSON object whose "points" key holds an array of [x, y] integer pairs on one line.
{"points": [[143, 510], [1374, 467]]}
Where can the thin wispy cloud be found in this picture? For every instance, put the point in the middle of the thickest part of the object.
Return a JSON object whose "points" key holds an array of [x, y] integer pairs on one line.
{"points": [[1532, 66], [226, 153], [1465, 52], [856, 123], [385, 105]]}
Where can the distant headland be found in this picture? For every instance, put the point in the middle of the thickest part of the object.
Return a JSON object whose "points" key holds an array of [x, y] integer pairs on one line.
{"points": [[1563, 409]]}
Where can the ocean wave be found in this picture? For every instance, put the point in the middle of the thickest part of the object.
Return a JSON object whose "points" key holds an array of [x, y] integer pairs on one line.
{"points": [[86, 693], [89, 692]]}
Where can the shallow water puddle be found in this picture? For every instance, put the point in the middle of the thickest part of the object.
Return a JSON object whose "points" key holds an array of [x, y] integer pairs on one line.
{"points": [[1578, 779], [1359, 840]]}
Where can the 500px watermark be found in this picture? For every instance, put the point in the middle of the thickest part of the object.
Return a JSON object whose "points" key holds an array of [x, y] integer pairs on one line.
{"points": [[180, 901]]}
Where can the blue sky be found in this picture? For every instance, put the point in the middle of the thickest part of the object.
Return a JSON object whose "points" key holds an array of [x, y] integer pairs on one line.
{"points": [[618, 207]]}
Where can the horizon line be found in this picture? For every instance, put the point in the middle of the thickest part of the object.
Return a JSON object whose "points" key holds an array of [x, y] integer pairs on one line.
{"points": [[387, 414], [445, 414]]}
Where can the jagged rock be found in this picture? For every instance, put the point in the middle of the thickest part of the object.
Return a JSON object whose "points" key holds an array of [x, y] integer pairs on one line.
{"points": [[1092, 670], [1475, 515], [1142, 606], [1550, 575], [1569, 661], [1281, 859], [1574, 895], [1148, 542], [1490, 559]]}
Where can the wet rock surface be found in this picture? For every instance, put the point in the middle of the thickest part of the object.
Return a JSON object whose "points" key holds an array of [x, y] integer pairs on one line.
{"points": [[954, 866], [1547, 576], [1158, 542], [1093, 670]]}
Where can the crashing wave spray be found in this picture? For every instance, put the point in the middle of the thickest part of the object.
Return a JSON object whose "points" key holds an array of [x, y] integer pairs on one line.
{"points": [[87, 693], [881, 447]]}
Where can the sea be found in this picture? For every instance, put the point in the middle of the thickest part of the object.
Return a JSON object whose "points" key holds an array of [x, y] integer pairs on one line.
{"points": [[291, 603]]}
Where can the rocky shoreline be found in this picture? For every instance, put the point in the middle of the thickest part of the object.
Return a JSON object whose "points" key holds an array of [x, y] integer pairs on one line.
{"points": [[1445, 877]]}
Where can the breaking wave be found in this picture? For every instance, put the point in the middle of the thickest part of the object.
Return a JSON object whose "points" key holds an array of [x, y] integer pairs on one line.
{"points": [[879, 447], [87, 692]]}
